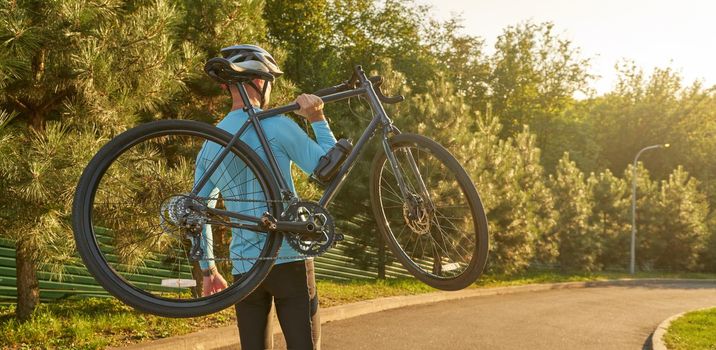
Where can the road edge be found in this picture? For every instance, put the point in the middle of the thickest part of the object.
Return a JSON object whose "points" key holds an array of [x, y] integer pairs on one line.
{"points": [[657, 339], [227, 337]]}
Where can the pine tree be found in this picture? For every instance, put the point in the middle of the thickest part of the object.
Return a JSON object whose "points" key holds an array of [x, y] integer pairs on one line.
{"points": [[521, 214], [683, 233], [538, 203], [73, 73], [578, 242], [708, 255], [610, 218]]}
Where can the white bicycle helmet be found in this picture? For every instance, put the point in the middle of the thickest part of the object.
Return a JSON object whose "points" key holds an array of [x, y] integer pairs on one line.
{"points": [[242, 64]]}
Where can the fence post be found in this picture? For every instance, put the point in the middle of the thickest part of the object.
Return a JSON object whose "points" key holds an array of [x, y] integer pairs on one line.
{"points": [[381, 257]]}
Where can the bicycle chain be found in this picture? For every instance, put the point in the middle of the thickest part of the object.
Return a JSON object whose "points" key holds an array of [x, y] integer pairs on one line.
{"points": [[285, 201], [260, 258]]}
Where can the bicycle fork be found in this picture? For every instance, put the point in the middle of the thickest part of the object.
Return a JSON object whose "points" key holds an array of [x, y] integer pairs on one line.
{"points": [[405, 192], [408, 197]]}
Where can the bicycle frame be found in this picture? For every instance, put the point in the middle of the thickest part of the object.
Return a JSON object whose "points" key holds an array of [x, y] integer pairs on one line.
{"points": [[380, 119]]}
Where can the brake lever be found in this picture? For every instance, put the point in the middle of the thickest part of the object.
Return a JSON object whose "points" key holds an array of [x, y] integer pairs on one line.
{"points": [[382, 97], [390, 100], [376, 80]]}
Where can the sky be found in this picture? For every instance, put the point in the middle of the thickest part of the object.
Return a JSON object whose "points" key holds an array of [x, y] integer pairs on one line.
{"points": [[652, 33]]}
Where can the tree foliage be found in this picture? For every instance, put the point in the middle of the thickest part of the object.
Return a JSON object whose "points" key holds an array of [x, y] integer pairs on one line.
{"points": [[610, 218], [579, 245], [73, 73], [683, 232], [535, 75]]}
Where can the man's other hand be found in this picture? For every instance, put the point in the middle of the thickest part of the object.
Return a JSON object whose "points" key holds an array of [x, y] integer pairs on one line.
{"points": [[311, 107], [213, 283]]}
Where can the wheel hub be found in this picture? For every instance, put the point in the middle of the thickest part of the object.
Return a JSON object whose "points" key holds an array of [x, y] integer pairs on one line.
{"points": [[178, 211], [416, 215]]}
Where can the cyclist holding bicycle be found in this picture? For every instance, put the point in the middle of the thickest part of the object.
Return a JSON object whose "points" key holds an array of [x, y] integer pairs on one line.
{"points": [[144, 197], [291, 282]]}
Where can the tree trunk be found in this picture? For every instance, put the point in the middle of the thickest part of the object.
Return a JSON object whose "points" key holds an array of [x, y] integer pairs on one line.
{"points": [[37, 121], [28, 289], [199, 278]]}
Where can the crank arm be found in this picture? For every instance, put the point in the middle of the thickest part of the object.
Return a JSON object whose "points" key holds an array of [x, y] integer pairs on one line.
{"points": [[308, 230]]}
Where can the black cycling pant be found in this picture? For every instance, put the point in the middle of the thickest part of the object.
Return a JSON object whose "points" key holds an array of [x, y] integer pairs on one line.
{"points": [[292, 288]]}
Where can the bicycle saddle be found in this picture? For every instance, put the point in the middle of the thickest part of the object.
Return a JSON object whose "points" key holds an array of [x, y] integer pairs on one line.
{"points": [[223, 71]]}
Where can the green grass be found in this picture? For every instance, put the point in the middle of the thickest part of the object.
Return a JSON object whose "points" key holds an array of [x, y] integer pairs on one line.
{"points": [[332, 293], [99, 322], [694, 331], [93, 323], [546, 276]]}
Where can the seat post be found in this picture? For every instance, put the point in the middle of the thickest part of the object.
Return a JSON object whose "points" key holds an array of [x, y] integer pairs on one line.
{"points": [[283, 185]]}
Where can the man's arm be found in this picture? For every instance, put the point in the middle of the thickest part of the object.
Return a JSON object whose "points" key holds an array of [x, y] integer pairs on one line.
{"points": [[206, 241], [208, 191], [303, 150], [212, 280]]}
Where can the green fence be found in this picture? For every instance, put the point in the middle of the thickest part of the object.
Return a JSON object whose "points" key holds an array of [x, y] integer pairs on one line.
{"points": [[336, 265], [76, 280]]}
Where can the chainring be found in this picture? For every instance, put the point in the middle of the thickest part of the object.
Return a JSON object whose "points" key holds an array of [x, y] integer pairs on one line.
{"points": [[306, 211]]}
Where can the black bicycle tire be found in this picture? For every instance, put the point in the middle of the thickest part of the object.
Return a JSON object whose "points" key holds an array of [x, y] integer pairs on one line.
{"points": [[90, 253], [479, 258]]}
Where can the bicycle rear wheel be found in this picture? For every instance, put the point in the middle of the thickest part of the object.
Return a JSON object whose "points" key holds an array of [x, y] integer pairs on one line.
{"points": [[437, 231], [133, 206]]}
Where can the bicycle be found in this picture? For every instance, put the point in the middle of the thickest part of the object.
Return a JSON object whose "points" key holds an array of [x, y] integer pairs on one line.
{"points": [[138, 214]]}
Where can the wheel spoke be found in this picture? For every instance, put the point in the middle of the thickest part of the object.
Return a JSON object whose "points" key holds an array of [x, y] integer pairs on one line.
{"points": [[439, 237], [140, 197]]}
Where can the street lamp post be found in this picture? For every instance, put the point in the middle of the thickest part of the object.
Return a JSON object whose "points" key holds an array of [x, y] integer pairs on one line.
{"points": [[633, 205]]}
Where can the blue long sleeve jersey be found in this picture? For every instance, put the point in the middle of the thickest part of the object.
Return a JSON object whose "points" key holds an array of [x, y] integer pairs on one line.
{"points": [[289, 143]]}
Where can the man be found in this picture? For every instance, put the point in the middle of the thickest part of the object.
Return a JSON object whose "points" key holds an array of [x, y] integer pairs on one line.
{"points": [[291, 282]]}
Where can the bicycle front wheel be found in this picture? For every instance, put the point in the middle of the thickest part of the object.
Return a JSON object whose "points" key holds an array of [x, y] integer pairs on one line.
{"points": [[436, 226], [142, 233]]}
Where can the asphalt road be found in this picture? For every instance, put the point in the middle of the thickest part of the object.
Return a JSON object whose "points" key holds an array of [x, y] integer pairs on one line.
{"points": [[617, 317]]}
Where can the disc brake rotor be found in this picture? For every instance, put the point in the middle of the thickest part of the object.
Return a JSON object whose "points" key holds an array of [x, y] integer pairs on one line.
{"points": [[416, 215]]}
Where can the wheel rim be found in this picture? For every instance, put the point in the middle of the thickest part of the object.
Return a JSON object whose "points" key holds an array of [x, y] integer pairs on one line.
{"points": [[439, 239], [128, 215]]}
